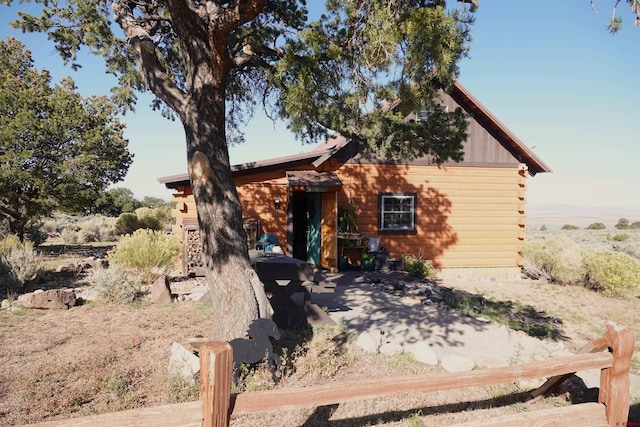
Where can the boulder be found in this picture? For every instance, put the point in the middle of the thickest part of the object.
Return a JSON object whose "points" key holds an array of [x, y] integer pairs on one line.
{"points": [[455, 363], [366, 342], [423, 353], [160, 290], [391, 348], [52, 299], [184, 363], [200, 294]]}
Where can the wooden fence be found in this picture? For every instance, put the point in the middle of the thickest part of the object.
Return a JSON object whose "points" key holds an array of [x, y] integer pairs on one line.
{"points": [[218, 403]]}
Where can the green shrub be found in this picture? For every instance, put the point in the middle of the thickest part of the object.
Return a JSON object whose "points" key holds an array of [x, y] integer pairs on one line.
{"points": [[9, 243], [620, 237], [126, 223], [34, 232], [623, 224], [152, 253], [614, 274], [117, 284], [96, 229], [69, 236], [635, 225], [22, 264], [543, 228], [417, 267], [558, 259], [570, 227], [152, 219], [596, 226]]}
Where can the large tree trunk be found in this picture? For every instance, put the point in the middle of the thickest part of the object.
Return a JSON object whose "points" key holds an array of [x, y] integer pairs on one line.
{"points": [[235, 301]]}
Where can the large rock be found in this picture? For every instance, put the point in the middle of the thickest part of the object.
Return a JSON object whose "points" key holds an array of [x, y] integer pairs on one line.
{"points": [[160, 290], [52, 299], [423, 353], [366, 342], [455, 363], [184, 363]]}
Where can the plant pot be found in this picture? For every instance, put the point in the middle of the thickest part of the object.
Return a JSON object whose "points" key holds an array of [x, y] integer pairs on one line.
{"points": [[367, 265], [343, 263]]}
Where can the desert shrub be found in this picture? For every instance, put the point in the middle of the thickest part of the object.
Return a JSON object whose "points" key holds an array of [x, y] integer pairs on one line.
{"points": [[35, 233], [126, 223], [96, 229], [614, 274], [417, 267], [558, 259], [69, 236], [622, 224], [117, 284], [543, 228], [22, 264], [636, 225], [570, 227], [147, 218], [596, 226], [150, 252], [9, 243], [620, 237]]}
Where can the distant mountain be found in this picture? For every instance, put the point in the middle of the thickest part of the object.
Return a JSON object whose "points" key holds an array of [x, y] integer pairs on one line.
{"points": [[555, 216]]}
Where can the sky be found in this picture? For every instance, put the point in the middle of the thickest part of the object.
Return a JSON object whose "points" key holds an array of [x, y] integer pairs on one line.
{"points": [[549, 71]]}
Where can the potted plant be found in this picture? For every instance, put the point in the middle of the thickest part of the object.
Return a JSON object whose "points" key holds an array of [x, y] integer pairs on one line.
{"points": [[348, 219], [367, 261]]}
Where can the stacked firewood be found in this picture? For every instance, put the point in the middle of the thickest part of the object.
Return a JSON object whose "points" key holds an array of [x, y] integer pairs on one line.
{"points": [[193, 252]]}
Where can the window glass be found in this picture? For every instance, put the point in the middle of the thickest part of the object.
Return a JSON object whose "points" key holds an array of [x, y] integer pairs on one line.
{"points": [[397, 212]]}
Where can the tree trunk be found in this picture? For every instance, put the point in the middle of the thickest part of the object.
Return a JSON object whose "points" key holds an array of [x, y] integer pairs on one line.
{"points": [[235, 302]]}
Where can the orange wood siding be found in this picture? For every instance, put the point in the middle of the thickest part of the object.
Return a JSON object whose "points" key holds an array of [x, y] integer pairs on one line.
{"points": [[466, 216], [257, 200]]}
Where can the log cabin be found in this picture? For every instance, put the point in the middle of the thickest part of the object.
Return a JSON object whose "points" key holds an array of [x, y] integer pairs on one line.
{"points": [[468, 217]]}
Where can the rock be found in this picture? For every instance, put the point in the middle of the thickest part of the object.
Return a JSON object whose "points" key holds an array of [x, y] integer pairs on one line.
{"points": [[69, 270], [455, 363], [160, 290], [5, 304], [200, 294], [86, 293], [184, 363], [423, 353], [391, 348], [366, 342], [53, 299]]}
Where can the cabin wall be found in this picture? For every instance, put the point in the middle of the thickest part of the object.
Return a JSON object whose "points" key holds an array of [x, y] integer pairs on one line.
{"points": [[467, 217]]}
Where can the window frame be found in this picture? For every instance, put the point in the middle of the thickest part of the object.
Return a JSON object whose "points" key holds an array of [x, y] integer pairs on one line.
{"points": [[412, 229]]}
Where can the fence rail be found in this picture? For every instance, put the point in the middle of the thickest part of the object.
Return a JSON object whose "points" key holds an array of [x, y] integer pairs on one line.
{"points": [[218, 403]]}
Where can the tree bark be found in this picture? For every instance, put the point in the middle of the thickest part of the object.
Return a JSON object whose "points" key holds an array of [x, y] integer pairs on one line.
{"points": [[203, 34], [224, 243]]}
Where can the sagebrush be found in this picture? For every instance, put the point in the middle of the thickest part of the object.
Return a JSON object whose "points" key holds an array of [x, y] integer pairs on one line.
{"points": [[117, 284], [152, 253], [613, 274]]}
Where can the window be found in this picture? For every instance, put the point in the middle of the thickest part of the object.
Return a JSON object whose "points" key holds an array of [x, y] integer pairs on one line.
{"points": [[397, 213], [423, 114]]}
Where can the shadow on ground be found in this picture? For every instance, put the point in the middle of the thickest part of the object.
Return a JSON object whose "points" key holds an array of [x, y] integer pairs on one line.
{"points": [[519, 317]]}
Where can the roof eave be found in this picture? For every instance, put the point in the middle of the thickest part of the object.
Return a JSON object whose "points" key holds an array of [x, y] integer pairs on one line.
{"points": [[534, 163]]}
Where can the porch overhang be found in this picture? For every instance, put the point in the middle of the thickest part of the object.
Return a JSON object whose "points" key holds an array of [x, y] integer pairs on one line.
{"points": [[313, 181]]}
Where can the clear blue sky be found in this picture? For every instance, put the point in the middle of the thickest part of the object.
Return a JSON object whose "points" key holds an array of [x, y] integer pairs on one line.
{"points": [[548, 70]]}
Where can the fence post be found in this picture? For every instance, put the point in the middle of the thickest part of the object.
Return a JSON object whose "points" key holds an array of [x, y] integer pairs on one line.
{"points": [[216, 362], [614, 381]]}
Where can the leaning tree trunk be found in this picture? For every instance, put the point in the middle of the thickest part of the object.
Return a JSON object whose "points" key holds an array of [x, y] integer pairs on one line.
{"points": [[236, 299]]}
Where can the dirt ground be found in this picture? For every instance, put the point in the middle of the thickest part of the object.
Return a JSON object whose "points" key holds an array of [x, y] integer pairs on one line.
{"points": [[99, 358]]}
